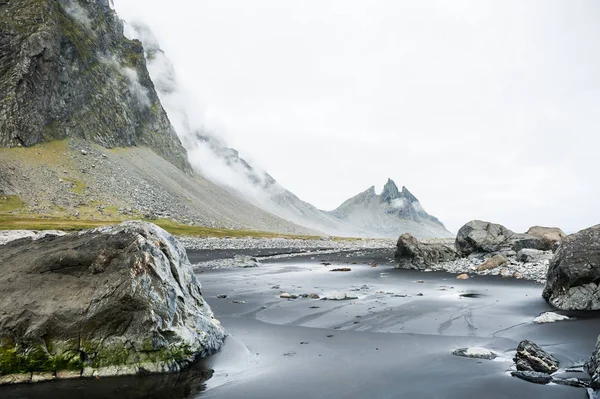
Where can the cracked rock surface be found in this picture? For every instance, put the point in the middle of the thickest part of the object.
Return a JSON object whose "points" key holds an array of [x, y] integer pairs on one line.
{"points": [[114, 300]]}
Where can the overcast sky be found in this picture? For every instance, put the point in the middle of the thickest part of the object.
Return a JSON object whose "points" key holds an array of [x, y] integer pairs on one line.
{"points": [[483, 109]]}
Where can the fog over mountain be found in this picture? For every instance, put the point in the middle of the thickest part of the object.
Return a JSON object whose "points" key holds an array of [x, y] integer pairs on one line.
{"points": [[486, 109], [388, 215]]}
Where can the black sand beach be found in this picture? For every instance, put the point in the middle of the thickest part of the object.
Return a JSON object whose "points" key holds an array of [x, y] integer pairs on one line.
{"points": [[394, 341]]}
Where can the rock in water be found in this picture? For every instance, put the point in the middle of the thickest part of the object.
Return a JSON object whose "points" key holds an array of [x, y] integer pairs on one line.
{"points": [[550, 317], [574, 272], [550, 236], [475, 353], [592, 366], [530, 357], [533, 376], [412, 254], [114, 300]]}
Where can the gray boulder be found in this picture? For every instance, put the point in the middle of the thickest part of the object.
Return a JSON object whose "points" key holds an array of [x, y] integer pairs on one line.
{"points": [[479, 236], [530, 357], [413, 254], [574, 272], [533, 255], [115, 300], [550, 236], [525, 241]]}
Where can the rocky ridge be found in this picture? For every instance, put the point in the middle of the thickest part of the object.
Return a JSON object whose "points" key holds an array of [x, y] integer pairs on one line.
{"points": [[206, 150], [68, 71], [390, 214]]}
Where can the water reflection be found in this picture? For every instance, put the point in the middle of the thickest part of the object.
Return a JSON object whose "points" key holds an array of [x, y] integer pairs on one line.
{"points": [[186, 384]]}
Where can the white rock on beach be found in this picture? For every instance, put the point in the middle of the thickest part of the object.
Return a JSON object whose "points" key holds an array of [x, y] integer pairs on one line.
{"points": [[340, 296], [475, 353], [550, 317]]}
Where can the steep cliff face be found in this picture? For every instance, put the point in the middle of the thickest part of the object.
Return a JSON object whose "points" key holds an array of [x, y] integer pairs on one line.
{"points": [[66, 70]]}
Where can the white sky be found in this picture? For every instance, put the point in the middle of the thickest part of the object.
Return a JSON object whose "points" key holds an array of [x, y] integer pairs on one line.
{"points": [[483, 109]]}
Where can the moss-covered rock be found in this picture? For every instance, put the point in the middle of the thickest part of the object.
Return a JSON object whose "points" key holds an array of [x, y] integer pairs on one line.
{"points": [[115, 300]]}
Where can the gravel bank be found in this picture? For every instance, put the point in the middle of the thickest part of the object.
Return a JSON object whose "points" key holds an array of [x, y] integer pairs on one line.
{"points": [[223, 251]]}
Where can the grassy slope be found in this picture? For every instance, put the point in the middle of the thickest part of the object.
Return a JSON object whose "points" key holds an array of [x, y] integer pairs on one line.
{"points": [[28, 222]]}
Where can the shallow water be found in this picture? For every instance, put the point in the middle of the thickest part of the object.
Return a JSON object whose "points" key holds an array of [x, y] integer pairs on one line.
{"points": [[389, 343]]}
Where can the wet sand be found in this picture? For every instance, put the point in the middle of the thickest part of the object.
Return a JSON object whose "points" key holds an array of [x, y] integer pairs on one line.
{"points": [[381, 345], [389, 343]]}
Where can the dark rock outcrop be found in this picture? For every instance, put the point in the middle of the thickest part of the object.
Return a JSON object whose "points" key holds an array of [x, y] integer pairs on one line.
{"points": [[550, 236], [66, 70], [412, 254], [479, 236], [592, 366], [115, 300], [533, 376], [574, 272], [530, 357]]}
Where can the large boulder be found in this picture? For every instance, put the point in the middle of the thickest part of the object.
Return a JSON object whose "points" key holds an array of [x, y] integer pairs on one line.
{"points": [[530, 357], [574, 272], [114, 300], [413, 254], [550, 236], [479, 236]]}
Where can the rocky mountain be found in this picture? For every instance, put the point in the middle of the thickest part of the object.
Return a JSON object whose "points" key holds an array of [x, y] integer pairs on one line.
{"points": [[83, 133], [224, 166], [390, 214], [132, 144], [66, 70]]}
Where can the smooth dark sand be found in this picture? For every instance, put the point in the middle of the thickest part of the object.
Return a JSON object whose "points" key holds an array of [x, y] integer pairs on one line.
{"points": [[378, 346]]}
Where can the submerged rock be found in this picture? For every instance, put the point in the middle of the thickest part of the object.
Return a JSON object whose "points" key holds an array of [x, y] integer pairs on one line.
{"points": [[412, 254], [574, 272], [530, 357], [115, 300], [533, 376]]}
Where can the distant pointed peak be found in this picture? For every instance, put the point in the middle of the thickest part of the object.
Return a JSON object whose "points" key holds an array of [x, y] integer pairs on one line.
{"points": [[390, 191], [408, 195]]}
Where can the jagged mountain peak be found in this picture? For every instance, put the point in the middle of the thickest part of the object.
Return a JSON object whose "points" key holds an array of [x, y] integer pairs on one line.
{"points": [[391, 213], [390, 191]]}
